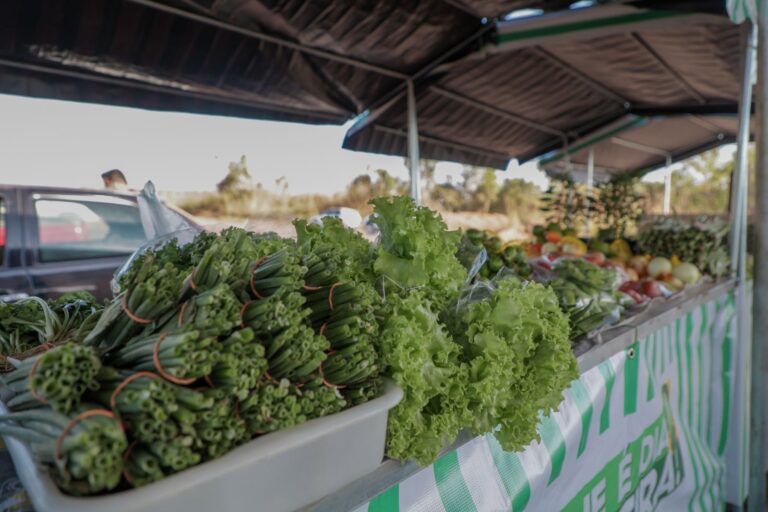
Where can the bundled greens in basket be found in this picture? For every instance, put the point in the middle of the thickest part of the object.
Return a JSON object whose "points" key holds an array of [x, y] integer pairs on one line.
{"points": [[235, 335], [519, 359], [587, 293], [29, 323], [58, 378], [344, 304], [84, 449], [148, 292]]}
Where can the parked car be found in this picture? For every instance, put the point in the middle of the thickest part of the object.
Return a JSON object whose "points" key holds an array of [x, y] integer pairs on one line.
{"points": [[59, 240], [349, 216]]}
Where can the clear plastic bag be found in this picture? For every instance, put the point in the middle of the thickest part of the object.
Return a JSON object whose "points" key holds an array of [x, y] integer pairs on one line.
{"points": [[161, 224]]}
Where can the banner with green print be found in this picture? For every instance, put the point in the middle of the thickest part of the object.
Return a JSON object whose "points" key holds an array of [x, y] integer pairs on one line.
{"points": [[649, 429]]}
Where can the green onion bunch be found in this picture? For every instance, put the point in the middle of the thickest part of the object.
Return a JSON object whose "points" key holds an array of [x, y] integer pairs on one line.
{"points": [[227, 261], [269, 316], [317, 399], [295, 353], [32, 322], [144, 404], [84, 450], [214, 312], [142, 467], [219, 428], [58, 377], [240, 364], [272, 406], [175, 454], [181, 355], [280, 272], [345, 315], [151, 292]]}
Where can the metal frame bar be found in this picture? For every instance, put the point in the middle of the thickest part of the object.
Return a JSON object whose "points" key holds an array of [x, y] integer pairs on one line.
{"points": [[640, 147], [413, 144], [707, 125], [606, 131], [586, 79], [448, 144], [509, 116], [599, 20], [122, 82], [668, 68], [757, 484], [269, 38], [400, 90], [654, 151]]}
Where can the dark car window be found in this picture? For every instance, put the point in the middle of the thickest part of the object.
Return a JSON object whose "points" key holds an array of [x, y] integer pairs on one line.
{"points": [[3, 234], [74, 229]]}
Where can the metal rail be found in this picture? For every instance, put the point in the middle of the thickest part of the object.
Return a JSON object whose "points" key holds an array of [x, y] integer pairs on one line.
{"points": [[223, 25], [219, 96]]}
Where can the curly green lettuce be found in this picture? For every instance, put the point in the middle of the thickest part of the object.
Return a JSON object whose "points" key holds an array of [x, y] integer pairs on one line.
{"points": [[416, 250], [421, 357], [520, 360]]}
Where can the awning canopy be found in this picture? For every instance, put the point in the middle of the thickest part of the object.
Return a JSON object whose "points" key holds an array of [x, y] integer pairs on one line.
{"points": [[317, 62], [637, 145], [552, 80]]}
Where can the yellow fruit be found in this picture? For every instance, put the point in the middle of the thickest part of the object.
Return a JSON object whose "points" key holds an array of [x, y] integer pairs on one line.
{"points": [[573, 246], [674, 260], [620, 248]]}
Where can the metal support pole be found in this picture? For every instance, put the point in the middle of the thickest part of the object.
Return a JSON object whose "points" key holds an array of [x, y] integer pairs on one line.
{"points": [[740, 179], [667, 185], [413, 144], [760, 300], [590, 183]]}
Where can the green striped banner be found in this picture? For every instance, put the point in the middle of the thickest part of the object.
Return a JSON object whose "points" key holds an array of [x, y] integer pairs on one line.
{"points": [[651, 428], [742, 10]]}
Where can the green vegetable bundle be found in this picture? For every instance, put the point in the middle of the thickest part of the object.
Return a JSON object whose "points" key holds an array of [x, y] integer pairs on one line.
{"points": [[219, 428], [143, 401], [519, 359], [84, 449], [275, 405], [280, 272], [239, 365], [58, 377], [213, 312], [29, 323], [180, 357], [416, 251], [702, 242], [226, 261], [269, 316], [511, 257], [419, 355], [150, 291], [588, 294]]}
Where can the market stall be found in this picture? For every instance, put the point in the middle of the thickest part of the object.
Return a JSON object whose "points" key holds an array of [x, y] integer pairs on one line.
{"points": [[660, 393]]}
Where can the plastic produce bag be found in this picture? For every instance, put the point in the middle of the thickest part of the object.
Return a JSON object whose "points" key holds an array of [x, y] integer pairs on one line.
{"points": [[161, 224]]}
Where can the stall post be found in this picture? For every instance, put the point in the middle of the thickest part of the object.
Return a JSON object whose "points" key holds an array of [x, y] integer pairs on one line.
{"points": [[590, 183], [760, 304], [413, 144], [667, 184]]}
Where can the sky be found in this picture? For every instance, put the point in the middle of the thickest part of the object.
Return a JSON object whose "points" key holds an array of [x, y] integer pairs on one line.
{"points": [[58, 143]]}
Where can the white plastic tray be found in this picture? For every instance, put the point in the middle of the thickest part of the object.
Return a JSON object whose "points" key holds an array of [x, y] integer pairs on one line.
{"points": [[279, 472]]}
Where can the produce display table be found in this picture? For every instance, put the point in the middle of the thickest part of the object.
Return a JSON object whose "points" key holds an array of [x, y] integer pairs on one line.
{"points": [[670, 421]]}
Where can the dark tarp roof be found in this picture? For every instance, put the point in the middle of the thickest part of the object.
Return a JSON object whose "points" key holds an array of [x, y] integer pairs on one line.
{"points": [[140, 53], [637, 145], [551, 88]]}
